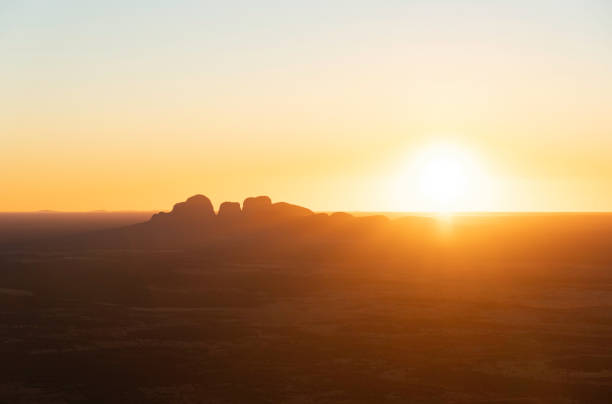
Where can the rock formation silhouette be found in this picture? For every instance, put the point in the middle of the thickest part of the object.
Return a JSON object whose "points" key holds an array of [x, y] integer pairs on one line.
{"points": [[256, 205], [287, 210], [230, 210], [265, 229], [196, 209]]}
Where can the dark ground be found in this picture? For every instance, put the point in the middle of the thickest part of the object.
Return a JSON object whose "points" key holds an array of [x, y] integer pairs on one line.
{"points": [[179, 326]]}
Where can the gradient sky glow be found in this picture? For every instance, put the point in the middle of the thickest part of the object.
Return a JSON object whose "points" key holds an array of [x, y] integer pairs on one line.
{"points": [[138, 104]]}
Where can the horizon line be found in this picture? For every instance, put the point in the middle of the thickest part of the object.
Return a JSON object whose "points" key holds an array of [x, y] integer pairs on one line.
{"points": [[392, 212]]}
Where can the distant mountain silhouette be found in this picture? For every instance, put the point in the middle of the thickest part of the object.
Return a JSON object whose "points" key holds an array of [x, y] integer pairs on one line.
{"points": [[197, 212], [264, 228], [256, 226], [230, 211]]}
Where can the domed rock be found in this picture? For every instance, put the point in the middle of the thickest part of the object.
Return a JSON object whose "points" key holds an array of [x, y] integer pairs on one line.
{"points": [[195, 211], [229, 210], [195, 207], [285, 209], [160, 217], [341, 216], [256, 205]]}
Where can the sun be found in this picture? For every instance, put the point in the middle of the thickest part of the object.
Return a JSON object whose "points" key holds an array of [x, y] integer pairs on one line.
{"points": [[443, 177], [443, 173]]}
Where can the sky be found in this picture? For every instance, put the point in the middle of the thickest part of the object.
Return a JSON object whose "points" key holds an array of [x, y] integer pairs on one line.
{"points": [[135, 105]]}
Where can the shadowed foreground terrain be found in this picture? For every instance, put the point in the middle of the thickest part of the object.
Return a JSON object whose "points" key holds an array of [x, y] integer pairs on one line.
{"points": [[271, 303]]}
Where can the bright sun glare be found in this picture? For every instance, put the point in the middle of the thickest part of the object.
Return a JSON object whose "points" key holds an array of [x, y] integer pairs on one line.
{"points": [[443, 173], [443, 178]]}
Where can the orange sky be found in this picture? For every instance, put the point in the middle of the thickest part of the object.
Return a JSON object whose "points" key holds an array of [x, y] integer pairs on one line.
{"points": [[112, 107]]}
